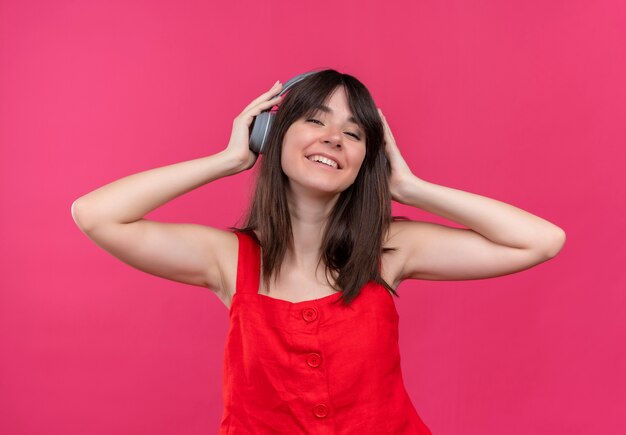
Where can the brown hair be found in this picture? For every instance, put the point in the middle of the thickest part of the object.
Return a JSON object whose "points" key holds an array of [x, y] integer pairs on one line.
{"points": [[352, 241]]}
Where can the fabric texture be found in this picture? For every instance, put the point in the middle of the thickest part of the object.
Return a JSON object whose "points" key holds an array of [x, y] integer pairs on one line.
{"points": [[312, 367]]}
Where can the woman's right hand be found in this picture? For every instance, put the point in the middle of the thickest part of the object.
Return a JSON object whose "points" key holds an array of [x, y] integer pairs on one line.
{"points": [[239, 144]]}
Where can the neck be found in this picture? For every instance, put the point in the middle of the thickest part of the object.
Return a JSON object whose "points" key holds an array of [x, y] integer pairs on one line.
{"points": [[309, 215]]}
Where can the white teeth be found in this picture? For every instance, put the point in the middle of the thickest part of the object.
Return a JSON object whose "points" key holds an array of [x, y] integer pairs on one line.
{"points": [[324, 160]]}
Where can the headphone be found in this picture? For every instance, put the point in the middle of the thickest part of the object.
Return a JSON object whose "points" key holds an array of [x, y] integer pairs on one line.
{"points": [[262, 123]]}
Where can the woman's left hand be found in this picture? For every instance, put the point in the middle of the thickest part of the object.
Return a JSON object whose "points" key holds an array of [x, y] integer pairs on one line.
{"points": [[401, 174]]}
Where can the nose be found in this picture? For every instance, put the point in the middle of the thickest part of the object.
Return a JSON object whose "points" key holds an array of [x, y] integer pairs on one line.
{"points": [[334, 138]]}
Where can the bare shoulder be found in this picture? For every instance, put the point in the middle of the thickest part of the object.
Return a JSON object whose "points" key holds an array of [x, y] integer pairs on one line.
{"points": [[399, 227], [189, 253], [431, 251], [222, 280], [404, 236], [393, 261], [228, 262]]}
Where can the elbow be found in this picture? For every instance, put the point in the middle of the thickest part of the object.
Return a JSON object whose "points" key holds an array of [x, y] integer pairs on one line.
{"points": [[74, 211], [556, 245], [78, 216]]}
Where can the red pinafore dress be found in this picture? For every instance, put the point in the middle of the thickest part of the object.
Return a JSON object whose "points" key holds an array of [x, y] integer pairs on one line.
{"points": [[312, 367]]}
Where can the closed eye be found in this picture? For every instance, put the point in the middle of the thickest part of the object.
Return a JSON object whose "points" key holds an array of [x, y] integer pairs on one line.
{"points": [[356, 136]]}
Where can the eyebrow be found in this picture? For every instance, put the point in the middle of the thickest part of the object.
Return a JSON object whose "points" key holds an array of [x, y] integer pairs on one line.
{"points": [[327, 109]]}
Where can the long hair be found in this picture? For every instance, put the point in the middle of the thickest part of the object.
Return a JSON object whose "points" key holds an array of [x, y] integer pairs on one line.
{"points": [[353, 236]]}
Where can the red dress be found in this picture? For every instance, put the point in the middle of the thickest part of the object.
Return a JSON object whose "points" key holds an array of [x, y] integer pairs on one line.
{"points": [[312, 367]]}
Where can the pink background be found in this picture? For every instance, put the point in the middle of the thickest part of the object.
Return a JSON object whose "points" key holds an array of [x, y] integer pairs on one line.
{"points": [[524, 102]]}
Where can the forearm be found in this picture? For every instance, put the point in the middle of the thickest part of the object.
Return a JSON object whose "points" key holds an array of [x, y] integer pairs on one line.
{"points": [[130, 198], [499, 222]]}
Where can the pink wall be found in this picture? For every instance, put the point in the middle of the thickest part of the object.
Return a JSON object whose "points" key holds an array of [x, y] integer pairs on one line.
{"points": [[524, 103]]}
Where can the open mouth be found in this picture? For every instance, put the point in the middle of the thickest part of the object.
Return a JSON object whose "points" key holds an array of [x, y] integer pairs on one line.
{"points": [[323, 161]]}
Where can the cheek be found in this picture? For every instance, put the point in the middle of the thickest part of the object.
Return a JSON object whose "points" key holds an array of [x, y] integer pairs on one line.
{"points": [[293, 145], [359, 157], [289, 158], [284, 159], [287, 152]]}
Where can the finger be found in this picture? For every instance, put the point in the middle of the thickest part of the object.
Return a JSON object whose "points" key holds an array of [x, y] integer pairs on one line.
{"points": [[380, 112], [386, 124], [255, 110], [263, 97]]}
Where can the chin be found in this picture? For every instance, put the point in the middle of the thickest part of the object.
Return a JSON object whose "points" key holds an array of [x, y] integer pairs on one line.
{"points": [[315, 188]]}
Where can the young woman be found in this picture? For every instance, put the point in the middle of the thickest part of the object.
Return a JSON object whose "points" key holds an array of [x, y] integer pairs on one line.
{"points": [[309, 280]]}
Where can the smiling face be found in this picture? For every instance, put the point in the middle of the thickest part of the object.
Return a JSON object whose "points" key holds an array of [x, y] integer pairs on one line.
{"points": [[333, 138]]}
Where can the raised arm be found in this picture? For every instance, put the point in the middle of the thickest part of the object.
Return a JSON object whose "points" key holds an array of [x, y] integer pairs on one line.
{"points": [[113, 215], [500, 239]]}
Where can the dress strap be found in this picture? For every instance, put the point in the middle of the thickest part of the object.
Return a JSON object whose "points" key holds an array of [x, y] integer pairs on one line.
{"points": [[248, 263]]}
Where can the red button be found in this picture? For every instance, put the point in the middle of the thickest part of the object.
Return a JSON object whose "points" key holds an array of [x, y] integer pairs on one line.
{"points": [[314, 359], [309, 314], [320, 410]]}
